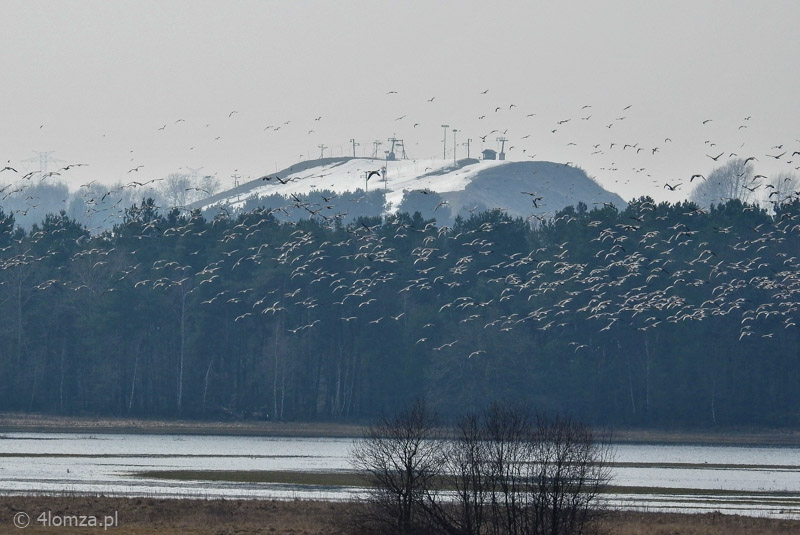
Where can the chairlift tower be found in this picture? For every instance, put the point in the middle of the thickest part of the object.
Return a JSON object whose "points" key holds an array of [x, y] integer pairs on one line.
{"points": [[375, 145], [236, 178], [396, 143], [502, 141], [322, 151], [353, 141]]}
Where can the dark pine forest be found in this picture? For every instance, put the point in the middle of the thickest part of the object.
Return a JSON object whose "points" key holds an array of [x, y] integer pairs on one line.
{"points": [[657, 315]]}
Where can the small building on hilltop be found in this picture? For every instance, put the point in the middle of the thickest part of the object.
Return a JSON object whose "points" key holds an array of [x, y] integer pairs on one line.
{"points": [[489, 154]]}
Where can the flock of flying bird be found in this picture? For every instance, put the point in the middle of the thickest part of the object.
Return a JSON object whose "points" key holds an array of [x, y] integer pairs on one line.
{"points": [[496, 117], [551, 282], [635, 280]]}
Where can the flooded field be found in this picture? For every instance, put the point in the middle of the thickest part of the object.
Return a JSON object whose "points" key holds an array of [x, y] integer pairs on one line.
{"points": [[748, 480]]}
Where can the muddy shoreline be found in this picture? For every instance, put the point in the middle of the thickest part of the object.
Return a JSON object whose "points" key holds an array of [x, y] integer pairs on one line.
{"points": [[21, 423]]}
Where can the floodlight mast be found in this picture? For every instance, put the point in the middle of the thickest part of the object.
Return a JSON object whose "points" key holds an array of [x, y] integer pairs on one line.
{"points": [[444, 141], [454, 145]]}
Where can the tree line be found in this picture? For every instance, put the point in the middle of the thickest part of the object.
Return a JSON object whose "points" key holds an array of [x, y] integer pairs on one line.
{"points": [[657, 315]]}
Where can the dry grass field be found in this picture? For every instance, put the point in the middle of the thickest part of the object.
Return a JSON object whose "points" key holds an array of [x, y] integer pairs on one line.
{"points": [[244, 517]]}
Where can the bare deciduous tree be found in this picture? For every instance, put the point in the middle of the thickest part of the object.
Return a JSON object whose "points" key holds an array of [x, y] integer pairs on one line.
{"points": [[781, 188], [209, 185], [570, 468], [734, 180], [501, 472], [176, 189], [400, 459]]}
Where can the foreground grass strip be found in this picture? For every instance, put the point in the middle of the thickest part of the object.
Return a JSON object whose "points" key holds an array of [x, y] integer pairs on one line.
{"points": [[159, 516]]}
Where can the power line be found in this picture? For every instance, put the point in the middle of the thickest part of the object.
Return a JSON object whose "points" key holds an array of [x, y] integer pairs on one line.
{"points": [[43, 158]]}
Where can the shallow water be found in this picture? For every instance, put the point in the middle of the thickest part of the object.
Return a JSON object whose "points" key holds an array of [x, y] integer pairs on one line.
{"points": [[760, 481]]}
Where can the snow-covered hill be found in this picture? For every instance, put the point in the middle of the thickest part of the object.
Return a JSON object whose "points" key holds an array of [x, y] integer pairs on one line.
{"points": [[521, 188]]}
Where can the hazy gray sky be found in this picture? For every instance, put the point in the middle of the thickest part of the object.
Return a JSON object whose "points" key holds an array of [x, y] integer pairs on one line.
{"points": [[121, 84]]}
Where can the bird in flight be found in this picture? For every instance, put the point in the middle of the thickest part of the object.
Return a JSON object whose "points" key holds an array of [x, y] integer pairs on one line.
{"points": [[71, 165], [673, 188], [715, 158]]}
